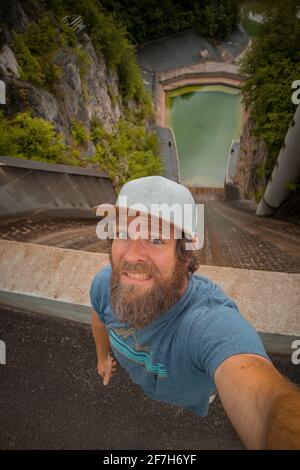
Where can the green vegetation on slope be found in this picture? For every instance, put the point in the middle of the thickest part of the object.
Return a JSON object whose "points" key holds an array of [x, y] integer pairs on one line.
{"points": [[35, 50], [33, 138], [125, 154], [269, 68], [110, 39]]}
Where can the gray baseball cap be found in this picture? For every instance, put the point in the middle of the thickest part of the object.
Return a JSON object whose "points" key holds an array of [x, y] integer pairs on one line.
{"points": [[160, 197]]}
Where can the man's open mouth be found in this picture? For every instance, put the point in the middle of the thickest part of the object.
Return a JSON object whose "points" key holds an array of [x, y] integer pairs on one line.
{"points": [[138, 277]]}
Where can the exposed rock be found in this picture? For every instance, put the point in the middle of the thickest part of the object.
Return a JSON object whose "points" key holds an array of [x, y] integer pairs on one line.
{"points": [[79, 94], [8, 63], [252, 157], [85, 90], [90, 149], [22, 96], [69, 93], [101, 84]]}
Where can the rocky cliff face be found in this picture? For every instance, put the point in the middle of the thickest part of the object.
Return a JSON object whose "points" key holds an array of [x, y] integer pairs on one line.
{"points": [[251, 163], [86, 97], [76, 96]]}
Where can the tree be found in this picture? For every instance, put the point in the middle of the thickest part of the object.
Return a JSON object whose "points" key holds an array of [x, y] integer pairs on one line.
{"points": [[269, 68]]}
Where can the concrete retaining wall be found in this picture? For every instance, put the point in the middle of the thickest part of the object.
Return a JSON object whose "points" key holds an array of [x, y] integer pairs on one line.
{"points": [[232, 191], [29, 187], [168, 153], [56, 282]]}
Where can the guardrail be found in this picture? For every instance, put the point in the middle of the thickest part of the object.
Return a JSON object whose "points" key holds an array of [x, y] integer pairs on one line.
{"points": [[75, 22]]}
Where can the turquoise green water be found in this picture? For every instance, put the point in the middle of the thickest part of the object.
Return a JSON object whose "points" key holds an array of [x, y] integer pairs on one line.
{"points": [[204, 120]]}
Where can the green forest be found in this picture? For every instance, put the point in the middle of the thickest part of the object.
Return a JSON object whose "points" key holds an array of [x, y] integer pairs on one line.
{"points": [[269, 68], [146, 20]]}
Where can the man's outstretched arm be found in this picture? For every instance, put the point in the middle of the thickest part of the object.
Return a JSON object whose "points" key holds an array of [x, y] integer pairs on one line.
{"points": [[262, 405]]}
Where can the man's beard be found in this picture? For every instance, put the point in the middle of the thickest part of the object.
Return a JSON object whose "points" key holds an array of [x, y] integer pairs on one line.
{"points": [[141, 306]]}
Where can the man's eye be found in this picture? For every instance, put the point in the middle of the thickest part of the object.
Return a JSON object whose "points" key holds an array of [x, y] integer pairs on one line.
{"points": [[156, 241]]}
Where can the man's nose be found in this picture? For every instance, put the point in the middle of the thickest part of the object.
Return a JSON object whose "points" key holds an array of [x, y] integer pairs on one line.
{"points": [[135, 251]]}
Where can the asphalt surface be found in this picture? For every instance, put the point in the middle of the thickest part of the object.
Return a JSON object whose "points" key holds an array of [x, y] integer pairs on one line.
{"points": [[51, 396], [184, 49]]}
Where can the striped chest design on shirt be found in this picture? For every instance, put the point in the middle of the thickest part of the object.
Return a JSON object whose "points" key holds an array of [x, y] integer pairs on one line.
{"points": [[136, 353]]}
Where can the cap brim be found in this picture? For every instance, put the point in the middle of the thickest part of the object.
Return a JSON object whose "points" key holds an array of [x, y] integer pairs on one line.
{"points": [[108, 207]]}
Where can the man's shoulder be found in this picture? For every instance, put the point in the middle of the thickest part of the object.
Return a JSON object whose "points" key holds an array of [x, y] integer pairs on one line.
{"points": [[209, 294], [102, 278], [99, 290], [209, 305], [103, 275]]}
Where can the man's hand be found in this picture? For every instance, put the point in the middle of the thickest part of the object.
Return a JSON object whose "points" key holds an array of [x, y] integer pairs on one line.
{"points": [[106, 364], [106, 368]]}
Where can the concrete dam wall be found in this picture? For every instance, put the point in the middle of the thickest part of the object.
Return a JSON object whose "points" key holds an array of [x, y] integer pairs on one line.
{"points": [[29, 187]]}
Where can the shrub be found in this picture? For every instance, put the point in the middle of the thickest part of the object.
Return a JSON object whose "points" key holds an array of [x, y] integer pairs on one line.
{"points": [[128, 153], [33, 138], [31, 69], [35, 51], [79, 133]]}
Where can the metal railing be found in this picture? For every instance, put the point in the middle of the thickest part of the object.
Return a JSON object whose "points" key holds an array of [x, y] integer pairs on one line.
{"points": [[75, 22]]}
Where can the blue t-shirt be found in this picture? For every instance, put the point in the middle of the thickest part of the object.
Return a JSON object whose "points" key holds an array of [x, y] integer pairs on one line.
{"points": [[175, 357]]}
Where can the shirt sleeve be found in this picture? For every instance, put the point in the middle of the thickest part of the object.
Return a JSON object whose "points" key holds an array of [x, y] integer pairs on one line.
{"points": [[220, 333], [99, 292]]}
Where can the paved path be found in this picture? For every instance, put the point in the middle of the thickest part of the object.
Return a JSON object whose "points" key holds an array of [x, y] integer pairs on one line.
{"points": [[233, 238], [52, 398], [238, 239]]}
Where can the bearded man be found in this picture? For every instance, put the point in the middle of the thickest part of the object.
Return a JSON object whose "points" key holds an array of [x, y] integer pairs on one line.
{"points": [[176, 333]]}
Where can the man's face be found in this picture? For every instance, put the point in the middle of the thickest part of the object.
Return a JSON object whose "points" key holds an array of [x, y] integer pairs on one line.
{"points": [[146, 276]]}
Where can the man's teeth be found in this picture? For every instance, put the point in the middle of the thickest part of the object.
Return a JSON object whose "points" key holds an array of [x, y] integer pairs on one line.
{"points": [[142, 277]]}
